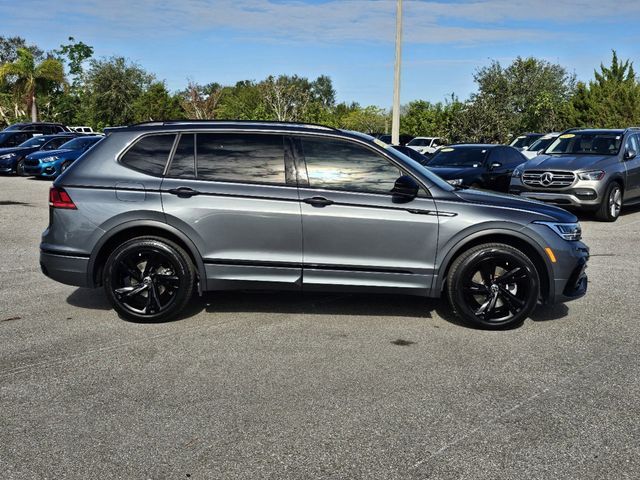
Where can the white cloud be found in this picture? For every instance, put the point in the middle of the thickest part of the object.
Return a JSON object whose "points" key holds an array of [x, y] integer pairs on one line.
{"points": [[436, 22]]}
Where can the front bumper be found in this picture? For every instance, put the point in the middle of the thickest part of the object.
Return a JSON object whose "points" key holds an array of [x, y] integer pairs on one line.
{"points": [[65, 268], [41, 170], [570, 278], [582, 194]]}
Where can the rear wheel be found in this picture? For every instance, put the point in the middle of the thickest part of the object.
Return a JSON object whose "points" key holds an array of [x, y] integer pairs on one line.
{"points": [[493, 286], [149, 279], [611, 205]]}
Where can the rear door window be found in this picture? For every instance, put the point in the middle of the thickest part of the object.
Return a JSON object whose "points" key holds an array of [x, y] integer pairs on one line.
{"points": [[183, 164], [241, 157], [149, 154]]}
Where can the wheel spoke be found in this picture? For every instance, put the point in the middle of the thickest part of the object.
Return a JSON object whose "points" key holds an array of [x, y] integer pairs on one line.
{"points": [[514, 304], [510, 275], [134, 271], [153, 300], [487, 271], [172, 281], [153, 263], [131, 291]]}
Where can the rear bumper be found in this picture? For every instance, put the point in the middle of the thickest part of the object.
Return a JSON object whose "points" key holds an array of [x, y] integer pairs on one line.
{"points": [[65, 268]]}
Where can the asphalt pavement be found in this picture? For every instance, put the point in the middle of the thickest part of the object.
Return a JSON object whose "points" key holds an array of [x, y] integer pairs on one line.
{"points": [[273, 385]]}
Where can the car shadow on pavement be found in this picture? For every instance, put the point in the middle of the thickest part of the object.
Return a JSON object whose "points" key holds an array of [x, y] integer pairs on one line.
{"points": [[353, 304]]}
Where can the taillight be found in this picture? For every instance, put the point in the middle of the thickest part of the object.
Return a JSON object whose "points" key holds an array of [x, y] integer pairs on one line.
{"points": [[58, 198]]}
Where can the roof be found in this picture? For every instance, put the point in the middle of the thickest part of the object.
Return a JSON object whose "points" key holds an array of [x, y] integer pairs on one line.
{"points": [[597, 130], [475, 145], [209, 124]]}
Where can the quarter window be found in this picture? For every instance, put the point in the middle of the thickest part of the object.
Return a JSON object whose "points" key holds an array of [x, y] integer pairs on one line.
{"points": [[340, 165], [245, 158], [149, 154]]}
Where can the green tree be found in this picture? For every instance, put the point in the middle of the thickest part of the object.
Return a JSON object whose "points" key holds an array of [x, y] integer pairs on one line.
{"points": [[369, 119], [611, 100], [9, 47], [156, 103], [29, 79], [75, 54], [113, 86]]}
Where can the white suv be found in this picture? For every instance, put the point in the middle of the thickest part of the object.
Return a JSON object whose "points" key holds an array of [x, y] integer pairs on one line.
{"points": [[426, 144]]}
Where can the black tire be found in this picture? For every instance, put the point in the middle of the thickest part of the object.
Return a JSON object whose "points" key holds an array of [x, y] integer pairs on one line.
{"points": [[65, 165], [493, 286], [149, 279], [609, 209], [20, 167]]}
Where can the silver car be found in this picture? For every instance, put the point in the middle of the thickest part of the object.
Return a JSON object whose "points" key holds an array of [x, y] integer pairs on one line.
{"points": [[157, 211], [596, 170]]}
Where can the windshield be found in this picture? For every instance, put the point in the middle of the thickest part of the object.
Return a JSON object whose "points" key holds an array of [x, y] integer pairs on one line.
{"points": [[459, 157], [587, 143], [419, 142], [524, 140], [78, 143], [541, 144], [33, 142]]}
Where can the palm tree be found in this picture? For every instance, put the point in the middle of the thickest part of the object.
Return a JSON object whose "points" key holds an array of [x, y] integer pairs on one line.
{"points": [[31, 78]]}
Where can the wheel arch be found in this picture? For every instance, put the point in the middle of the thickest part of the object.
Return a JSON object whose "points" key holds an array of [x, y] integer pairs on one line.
{"points": [[512, 238], [129, 230]]}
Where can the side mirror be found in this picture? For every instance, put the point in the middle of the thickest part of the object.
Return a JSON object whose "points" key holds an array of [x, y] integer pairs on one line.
{"points": [[495, 165], [404, 190], [629, 154]]}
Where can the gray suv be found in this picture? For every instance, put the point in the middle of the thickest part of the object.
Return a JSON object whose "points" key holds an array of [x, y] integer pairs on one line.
{"points": [[596, 170], [157, 211]]}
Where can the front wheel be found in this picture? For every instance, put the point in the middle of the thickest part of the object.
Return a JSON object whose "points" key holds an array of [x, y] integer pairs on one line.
{"points": [[493, 286], [149, 279], [611, 204], [20, 167]]}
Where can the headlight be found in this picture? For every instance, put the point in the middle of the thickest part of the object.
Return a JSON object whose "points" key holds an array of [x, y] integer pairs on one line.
{"points": [[517, 172], [592, 175], [7, 156], [568, 231], [52, 158], [455, 181]]}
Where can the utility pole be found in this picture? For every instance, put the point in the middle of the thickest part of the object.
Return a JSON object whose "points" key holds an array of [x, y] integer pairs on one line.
{"points": [[395, 120]]}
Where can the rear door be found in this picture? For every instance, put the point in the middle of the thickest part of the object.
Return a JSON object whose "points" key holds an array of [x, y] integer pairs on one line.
{"points": [[353, 232], [235, 195]]}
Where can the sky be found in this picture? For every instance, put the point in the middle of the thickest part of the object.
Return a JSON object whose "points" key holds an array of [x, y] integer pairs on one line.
{"points": [[351, 41]]}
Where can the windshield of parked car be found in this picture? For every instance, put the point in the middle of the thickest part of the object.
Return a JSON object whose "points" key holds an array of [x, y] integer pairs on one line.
{"points": [[586, 143], [459, 157], [33, 142], [541, 144], [419, 142], [524, 140], [435, 179], [78, 143]]}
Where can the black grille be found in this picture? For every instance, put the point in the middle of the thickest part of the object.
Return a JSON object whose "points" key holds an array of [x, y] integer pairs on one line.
{"points": [[548, 179], [31, 163]]}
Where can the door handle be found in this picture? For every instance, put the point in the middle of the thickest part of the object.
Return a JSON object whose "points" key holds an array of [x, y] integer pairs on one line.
{"points": [[183, 192], [318, 201]]}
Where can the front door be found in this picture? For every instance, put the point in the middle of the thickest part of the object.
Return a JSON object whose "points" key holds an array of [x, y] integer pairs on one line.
{"points": [[353, 232], [233, 194], [632, 165]]}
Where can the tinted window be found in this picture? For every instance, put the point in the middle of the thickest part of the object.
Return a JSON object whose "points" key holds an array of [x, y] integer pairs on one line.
{"points": [[459, 157], [149, 154], [34, 142], [632, 143], [246, 158], [340, 165], [514, 157], [184, 160], [55, 143]]}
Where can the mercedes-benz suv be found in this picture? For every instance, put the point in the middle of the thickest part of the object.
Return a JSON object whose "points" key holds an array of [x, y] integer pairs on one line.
{"points": [[158, 210], [588, 169]]}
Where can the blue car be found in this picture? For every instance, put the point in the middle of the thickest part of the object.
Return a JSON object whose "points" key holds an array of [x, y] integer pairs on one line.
{"points": [[52, 163], [12, 159]]}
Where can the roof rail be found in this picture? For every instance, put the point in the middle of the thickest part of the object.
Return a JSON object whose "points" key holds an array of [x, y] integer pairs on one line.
{"points": [[214, 122]]}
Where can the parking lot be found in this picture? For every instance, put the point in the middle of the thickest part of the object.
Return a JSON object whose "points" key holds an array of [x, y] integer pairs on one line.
{"points": [[273, 385]]}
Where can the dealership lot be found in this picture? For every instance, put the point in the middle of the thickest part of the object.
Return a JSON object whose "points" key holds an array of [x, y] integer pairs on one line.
{"points": [[273, 385]]}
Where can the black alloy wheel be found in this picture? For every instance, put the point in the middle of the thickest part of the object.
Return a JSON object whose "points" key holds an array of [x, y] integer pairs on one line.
{"points": [[493, 286], [149, 279]]}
